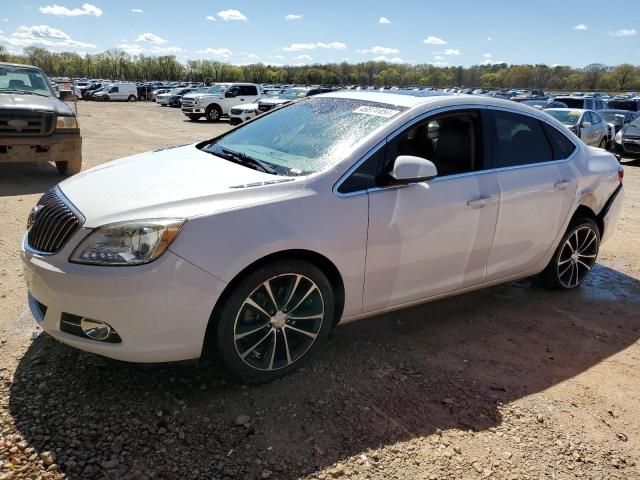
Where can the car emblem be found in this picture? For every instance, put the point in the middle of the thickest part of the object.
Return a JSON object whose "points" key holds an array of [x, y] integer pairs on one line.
{"points": [[32, 216], [18, 124]]}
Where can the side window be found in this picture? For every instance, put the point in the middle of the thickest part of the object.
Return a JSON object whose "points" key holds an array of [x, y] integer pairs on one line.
{"points": [[232, 92], [561, 145], [114, 90], [366, 175], [519, 140], [597, 119], [588, 103], [588, 118], [248, 90], [452, 141]]}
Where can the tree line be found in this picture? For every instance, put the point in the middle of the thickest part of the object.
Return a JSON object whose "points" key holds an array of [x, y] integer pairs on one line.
{"points": [[118, 65]]}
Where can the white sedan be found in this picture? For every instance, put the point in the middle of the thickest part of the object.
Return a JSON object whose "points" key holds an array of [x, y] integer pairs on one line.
{"points": [[255, 244]]}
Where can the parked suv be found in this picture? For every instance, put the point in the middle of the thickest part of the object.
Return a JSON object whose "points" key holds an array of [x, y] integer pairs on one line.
{"points": [[584, 103], [35, 126], [627, 140], [218, 100]]}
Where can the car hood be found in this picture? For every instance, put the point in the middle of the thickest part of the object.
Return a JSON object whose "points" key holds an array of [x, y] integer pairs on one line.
{"points": [[180, 181], [34, 103], [631, 131], [275, 101], [246, 106]]}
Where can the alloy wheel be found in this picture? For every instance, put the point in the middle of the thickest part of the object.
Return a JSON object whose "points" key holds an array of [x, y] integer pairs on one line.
{"points": [[577, 256], [278, 322]]}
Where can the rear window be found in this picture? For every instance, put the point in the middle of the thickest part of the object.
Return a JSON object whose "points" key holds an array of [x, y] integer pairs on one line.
{"points": [[572, 102], [631, 105], [562, 147]]}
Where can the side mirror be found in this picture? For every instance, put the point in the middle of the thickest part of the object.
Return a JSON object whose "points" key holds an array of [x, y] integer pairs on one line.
{"points": [[409, 169], [585, 124]]}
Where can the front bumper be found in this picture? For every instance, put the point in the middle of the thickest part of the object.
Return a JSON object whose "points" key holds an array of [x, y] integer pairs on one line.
{"points": [[192, 110], [61, 147], [160, 310], [630, 149]]}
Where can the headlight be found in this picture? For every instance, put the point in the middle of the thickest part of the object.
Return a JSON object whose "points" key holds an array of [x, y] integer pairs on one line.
{"points": [[127, 243], [67, 123], [618, 138]]}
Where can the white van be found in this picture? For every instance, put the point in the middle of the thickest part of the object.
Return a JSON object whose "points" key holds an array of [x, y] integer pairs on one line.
{"points": [[124, 92]]}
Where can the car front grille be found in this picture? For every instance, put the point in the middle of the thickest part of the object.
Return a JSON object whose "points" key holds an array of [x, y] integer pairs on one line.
{"points": [[264, 108], [20, 123], [188, 102], [51, 224], [236, 111], [632, 147]]}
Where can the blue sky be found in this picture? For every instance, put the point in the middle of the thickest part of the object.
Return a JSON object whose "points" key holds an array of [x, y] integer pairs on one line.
{"points": [[464, 32]]}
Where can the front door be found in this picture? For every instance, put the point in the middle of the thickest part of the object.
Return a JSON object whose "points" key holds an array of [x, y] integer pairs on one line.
{"points": [[432, 237]]}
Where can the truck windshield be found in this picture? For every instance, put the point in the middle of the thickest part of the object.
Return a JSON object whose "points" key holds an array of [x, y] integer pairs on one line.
{"points": [[17, 79], [217, 89]]}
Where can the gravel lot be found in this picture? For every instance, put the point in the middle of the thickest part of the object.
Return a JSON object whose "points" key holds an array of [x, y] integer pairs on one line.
{"points": [[512, 382]]}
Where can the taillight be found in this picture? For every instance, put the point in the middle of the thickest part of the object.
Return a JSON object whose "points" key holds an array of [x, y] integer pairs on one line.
{"points": [[621, 174]]}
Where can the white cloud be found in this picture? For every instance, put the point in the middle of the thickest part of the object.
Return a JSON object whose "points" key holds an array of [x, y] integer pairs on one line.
{"points": [[384, 21], [431, 40], [216, 52], [450, 52], [581, 26], [292, 16], [136, 49], [487, 55], [59, 10], [490, 61], [296, 47], [438, 57], [229, 15], [380, 50], [383, 58], [211, 18], [150, 38], [440, 64], [489, 39], [44, 36], [624, 32], [278, 57], [5, 20], [303, 58], [137, 10], [252, 56]]}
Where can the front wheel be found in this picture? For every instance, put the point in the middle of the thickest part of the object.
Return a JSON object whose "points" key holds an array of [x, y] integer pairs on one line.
{"points": [[603, 143], [274, 320], [69, 168], [132, 98], [575, 256], [213, 113]]}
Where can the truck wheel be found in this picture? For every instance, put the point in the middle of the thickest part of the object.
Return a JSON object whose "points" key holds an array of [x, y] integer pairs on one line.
{"points": [[194, 118], [213, 113], [106, 98], [132, 98], [142, 98], [69, 168]]}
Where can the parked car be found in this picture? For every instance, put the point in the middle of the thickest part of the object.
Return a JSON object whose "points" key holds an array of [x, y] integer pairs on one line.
{"points": [[218, 100], [35, 126], [617, 118], [154, 94], [88, 92], [173, 98], [631, 104], [123, 92], [288, 96], [627, 140], [253, 244], [581, 102], [586, 124]]}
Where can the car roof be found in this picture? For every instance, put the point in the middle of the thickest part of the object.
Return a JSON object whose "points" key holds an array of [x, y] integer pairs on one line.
{"points": [[616, 110], [581, 110], [7, 64]]}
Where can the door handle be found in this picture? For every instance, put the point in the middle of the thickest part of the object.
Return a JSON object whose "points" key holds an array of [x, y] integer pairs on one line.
{"points": [[560, 186], [478, 202]]}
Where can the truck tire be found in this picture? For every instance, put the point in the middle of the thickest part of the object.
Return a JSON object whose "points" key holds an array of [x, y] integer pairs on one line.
{"points": [[213, 113], [69, 168]]}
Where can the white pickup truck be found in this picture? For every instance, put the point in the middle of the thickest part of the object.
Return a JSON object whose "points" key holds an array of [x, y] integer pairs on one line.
{"points": [[218, 100]]}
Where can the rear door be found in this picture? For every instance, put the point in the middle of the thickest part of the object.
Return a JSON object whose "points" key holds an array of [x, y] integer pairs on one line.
{"points": [[537, 186], [248, 93]]}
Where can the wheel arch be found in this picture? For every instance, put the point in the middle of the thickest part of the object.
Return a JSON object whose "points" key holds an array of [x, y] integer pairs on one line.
{"points": [[585, 210], [320, 261]]}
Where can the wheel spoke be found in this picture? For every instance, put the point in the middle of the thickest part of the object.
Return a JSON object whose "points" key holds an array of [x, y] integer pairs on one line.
{"points": [[577, 275], [293, 291], [562, 274], [564, 261], [580, 262], [267, 287], [313, 287], [244, 355], [250, 301], [286, 346], [240, 336], [586, 237], [582, 255], [304, 332], [273, 350], [589, 244], [309, 317], [572, 267]]}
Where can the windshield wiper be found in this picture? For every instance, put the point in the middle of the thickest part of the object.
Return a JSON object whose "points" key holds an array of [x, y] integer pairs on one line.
{"points": [[244, 159], [28, 92]]}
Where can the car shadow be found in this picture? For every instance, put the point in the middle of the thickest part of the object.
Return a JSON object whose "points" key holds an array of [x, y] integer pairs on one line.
{"points": [[450, 364], [27, 178]]}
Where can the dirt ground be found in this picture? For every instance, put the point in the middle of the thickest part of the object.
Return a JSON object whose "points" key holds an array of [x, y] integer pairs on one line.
{"points": [[512, 382]]}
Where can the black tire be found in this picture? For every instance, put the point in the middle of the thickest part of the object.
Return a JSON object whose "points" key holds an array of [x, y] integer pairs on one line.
{"points": [[213, 113], [603, 143], [132, 98], [67, 169], [194, 118], [584, 233], [106, 98], [142, 98], [272, 344]]}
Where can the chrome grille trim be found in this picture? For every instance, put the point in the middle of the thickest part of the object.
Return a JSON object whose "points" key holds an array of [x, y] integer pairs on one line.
{"points": [[38, 123], [54, 224]]}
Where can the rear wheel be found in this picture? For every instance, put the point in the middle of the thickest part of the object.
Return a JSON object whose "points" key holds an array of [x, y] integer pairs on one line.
{"points": [[574, 258], [69, 168], [274, 320], [132, 98]]}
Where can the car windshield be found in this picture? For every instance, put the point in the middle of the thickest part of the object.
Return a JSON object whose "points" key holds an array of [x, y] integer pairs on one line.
{"points": [[217, 89], [307, 136], [568, 117], [294, 93], [613, 117], [17, 79]]}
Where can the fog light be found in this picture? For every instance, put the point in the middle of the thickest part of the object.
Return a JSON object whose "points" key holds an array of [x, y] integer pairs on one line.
{"points": [[95, 329]]}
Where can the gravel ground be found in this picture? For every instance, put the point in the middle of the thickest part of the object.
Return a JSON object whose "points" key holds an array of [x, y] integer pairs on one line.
{"points": [[512, 382]]}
